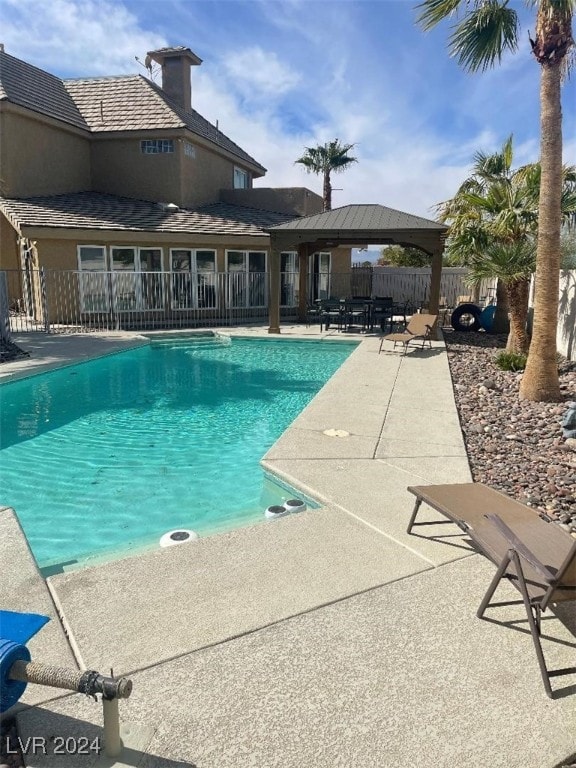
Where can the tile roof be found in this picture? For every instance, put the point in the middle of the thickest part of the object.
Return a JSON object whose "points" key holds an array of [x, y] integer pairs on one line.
{"points": [[93, 210], [121, 104], [352, 218], [30, 87], [106, 104], [133, 103]]}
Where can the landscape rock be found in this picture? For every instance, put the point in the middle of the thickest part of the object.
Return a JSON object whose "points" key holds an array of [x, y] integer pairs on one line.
{"points": [[514, 446]]}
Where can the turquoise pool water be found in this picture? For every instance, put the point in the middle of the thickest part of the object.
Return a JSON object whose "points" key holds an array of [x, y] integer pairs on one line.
{"points": [[108, 455]]}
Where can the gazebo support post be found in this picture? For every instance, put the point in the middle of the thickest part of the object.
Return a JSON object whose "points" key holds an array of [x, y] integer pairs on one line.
{"points": [[435, 278], [302, 282], [274, 290]]}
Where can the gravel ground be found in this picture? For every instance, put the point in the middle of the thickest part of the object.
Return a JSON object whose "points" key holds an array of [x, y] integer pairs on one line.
{"points": [[514, 446]]}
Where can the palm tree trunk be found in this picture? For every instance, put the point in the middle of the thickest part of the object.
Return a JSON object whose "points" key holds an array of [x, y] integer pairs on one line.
{"points": [[540, 381], [518, 340], [327, 191]]}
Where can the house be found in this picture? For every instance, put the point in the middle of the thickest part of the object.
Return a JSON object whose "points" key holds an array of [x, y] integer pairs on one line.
{"points": [[118, 198]]}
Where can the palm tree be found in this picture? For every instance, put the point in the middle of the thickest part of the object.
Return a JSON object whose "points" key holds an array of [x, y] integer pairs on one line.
{"points": [[325, 158], [512, 263], [493, 222], [484, 30]]}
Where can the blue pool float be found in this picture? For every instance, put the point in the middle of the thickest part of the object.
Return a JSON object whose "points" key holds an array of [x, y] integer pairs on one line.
{"points": [[15, 631]]}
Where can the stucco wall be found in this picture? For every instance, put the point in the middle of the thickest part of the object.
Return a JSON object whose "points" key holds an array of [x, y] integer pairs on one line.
{"points": [[8, 245], [120, 168], [292, 200], [204, 175], [38, 159]]}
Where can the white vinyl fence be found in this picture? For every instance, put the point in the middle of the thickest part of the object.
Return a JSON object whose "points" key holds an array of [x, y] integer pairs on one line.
{"points": [[412, 284], [566, 333]]}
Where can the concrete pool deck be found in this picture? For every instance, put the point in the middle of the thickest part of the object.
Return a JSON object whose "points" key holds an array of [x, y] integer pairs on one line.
{"points": [[326, 638]]}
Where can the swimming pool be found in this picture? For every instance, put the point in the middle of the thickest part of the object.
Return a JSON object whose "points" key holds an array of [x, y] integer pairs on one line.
{"points": [[108, 455]]}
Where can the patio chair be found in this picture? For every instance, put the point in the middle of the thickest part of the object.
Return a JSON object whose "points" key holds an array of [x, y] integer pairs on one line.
{"points": [[531, 552], [444, 311], [356, 312], [313, 313], [418, 331], [331, 313], [382, 312]]}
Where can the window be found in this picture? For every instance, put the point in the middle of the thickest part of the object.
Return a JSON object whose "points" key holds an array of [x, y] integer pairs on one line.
{"points": [[246, 278], [289, 281], [93, 280], [241, 179], [151, 286], [193, 278], [156, 146], [189, 149], [92, 258], [136, 278], [320, 274]]}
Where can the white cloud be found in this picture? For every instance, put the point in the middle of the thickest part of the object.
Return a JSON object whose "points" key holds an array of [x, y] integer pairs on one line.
{"points": [[259, 73], [76, 37]]}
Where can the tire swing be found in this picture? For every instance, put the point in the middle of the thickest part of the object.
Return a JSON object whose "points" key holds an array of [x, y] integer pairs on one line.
{"points": [[466, 317]]}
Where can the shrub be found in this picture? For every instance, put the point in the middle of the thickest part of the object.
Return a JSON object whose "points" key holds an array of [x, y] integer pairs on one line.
{"points": [[510, 361]]}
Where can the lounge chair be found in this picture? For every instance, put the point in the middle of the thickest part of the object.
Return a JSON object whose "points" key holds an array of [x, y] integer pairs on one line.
{"points": [[418, 331], [534, 554]]}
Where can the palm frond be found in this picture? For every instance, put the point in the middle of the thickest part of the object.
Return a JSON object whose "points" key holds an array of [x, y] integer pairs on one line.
{"points": [[568, 203], [311, 160], [496, 165], [432, 12], [509, 262], [482, 37], [337, 157], [332, 156], [569, 173], [508, 152]]}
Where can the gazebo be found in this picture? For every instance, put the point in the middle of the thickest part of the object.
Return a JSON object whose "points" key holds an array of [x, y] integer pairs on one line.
{"points": [[357, 226]]}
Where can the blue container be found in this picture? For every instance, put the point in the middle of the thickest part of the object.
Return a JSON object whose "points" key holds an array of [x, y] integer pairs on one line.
{"points": [[487, 317]]}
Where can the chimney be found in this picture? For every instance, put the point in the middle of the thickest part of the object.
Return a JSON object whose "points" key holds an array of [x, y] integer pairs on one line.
{"points": [[176, 63]]}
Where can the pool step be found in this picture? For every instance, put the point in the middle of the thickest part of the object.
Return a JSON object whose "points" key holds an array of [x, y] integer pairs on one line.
{"points": [[202, 338]]}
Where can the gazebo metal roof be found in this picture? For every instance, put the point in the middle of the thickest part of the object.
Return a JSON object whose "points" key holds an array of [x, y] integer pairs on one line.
{"points": [[362, 225]]}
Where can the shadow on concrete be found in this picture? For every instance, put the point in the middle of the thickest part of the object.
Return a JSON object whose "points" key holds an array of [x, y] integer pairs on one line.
{"points": [[415, 352], [52, 739], [568, 762]]}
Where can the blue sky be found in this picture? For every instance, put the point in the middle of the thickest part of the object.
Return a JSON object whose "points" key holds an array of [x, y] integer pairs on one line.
{"points": [[280, 76]]}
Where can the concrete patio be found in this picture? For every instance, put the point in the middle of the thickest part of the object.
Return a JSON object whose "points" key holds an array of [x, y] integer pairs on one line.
{"points": [[325, 638]]}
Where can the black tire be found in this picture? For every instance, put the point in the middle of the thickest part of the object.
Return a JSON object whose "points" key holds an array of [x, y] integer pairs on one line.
{"points": [[466, 317]]}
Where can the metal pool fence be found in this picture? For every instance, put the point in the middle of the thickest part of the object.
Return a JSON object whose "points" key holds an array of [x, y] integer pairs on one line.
{"points": [[64, 301]]}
